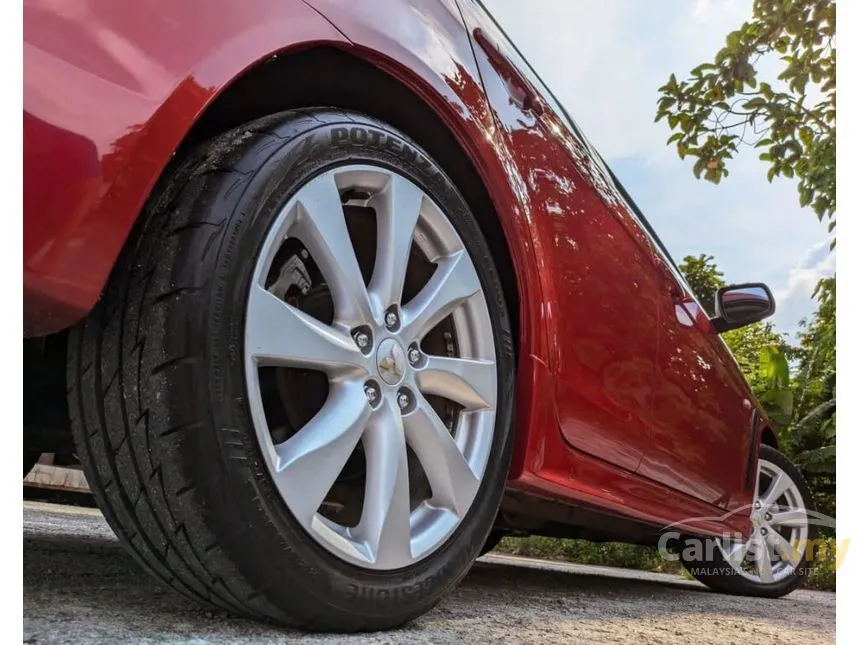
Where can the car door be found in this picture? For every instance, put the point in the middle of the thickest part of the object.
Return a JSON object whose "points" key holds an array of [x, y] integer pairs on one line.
{"points": [[703, 412], [599, 284]]}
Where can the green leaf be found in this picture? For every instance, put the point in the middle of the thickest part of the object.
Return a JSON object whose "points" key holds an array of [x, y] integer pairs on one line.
{"points": [[773, 365], [782, 400], [704, 67], [818, 460], [733, 40], [816, 416], [798, 140]]}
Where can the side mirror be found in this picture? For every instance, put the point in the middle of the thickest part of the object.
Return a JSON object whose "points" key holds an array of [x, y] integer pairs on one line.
{"points": [[741, 305]]}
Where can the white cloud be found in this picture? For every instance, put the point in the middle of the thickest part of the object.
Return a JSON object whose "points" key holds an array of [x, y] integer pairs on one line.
{"points": [[793, 300]]}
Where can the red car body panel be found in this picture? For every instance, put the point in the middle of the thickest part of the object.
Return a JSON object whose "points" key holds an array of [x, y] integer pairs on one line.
{"points": [[701, 401], [605, 415], [110, 90], [603, 356]]}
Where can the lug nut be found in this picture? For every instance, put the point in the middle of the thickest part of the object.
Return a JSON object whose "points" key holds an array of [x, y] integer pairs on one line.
{"points": [[404, 400], [414, 355], [371, 391], [391, 320], [763, 531], [362, 340], [768, 517], [758, 505]]}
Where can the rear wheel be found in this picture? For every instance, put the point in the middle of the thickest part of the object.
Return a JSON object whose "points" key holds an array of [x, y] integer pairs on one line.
{"points": [[775, 558], [294, 401]]}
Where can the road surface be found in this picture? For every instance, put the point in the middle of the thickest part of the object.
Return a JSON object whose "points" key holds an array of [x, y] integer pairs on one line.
{"points": [[81, 587]]}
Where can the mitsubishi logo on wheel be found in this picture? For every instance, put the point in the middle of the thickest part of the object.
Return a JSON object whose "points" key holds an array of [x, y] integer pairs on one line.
{"points": [[391, 361]]}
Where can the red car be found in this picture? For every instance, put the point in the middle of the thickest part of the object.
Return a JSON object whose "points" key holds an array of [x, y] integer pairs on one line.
{"points": [[327, 296]]}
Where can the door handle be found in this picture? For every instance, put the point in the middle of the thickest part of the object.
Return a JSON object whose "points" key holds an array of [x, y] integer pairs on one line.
{"points": [[529, 101]]}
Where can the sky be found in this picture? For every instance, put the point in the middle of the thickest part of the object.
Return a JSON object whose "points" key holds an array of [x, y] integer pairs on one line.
{"points": [[604, 60]]}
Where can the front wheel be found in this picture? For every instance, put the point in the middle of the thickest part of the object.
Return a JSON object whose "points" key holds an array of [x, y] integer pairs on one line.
{"points": [[295, 399], [775, 558]]}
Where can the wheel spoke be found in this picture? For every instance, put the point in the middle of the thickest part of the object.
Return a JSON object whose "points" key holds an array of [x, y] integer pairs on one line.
{"points": [[310, 461], [763, 561], [471, 383], [280, 335], [757, 481], [453, 282], [397, 212], [738, 553], [321, 225], [783, 548], [777, 488], [384, 524], [793, 517], [452, 481]]}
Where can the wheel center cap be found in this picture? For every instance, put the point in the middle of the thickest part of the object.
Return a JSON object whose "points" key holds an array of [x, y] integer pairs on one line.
{"points": [[391, 361]]}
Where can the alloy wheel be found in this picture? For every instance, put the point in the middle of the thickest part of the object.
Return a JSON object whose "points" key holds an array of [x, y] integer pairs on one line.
{"points": [[780, 529], [379, 424]]}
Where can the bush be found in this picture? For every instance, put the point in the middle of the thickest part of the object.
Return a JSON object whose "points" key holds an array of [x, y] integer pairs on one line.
{"points": [[822, 573], [607, 554]]}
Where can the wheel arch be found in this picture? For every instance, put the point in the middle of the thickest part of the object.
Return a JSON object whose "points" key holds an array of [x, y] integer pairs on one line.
{"points": [[218, 95], [367, 89], [769, 438]]}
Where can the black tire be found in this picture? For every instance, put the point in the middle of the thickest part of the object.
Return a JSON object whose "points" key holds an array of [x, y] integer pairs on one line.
{"points": [[492, 542], [157, 391], [729, 582]]}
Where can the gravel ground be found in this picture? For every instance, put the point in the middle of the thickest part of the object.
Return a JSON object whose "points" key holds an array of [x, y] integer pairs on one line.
{"points": [[81, 587]]}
